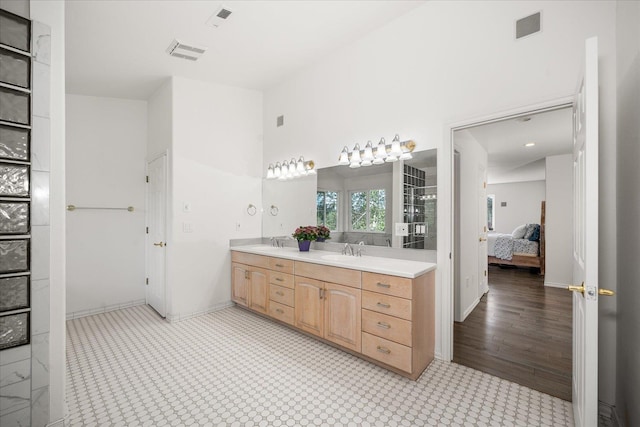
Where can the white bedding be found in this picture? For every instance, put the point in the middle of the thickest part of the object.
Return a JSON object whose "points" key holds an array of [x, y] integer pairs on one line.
{"points": [[507, 246]]}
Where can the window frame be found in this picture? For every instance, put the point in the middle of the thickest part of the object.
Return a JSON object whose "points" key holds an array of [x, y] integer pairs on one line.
{"points": [[338, 198]]}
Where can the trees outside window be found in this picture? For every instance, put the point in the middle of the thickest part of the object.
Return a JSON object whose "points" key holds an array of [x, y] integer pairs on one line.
{"points": [[327, 209], [368, 210]]}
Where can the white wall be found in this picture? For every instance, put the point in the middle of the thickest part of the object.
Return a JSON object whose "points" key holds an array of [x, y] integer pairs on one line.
{"points": [[51, 13], [105, 164], [217, 153], [468, 292], [523, 204], [445, 63], [628, 208], [559, 221]]}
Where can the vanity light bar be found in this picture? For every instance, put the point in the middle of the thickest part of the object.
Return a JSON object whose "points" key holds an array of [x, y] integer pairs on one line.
{"points": [[377, 155], [291, 169]]}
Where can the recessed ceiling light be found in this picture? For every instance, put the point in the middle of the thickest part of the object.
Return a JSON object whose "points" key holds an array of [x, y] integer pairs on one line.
{"points": [[529, 144]]}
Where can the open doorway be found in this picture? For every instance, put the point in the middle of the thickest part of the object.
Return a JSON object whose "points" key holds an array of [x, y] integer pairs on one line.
{"points": [[512, 233]]}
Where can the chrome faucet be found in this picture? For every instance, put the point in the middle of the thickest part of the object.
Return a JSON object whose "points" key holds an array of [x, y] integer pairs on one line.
{"points": [[360, 249], [347, 250]]}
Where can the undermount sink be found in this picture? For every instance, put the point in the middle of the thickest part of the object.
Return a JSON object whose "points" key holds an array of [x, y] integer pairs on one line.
{"points": [[339, 257]]}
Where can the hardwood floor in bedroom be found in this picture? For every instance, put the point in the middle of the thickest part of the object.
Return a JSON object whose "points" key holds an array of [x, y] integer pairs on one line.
{"points": [[520, 331]]}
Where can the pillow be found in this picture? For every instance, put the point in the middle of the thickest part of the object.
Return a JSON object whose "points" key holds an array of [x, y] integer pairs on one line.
{"points": [[529, 232], [518, 233], [535, 236]]}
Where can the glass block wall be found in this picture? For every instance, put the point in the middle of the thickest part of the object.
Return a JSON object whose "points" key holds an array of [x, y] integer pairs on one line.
{"points": [[24, 221]]}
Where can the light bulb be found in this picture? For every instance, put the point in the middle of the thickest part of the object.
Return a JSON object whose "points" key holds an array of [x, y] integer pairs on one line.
{"points": [[276, 170], [270, 174], [344, 157], [381, 151], [355, 157]]}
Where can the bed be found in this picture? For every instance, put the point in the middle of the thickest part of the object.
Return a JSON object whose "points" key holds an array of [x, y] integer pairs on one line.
{"points": [[506, 250]]}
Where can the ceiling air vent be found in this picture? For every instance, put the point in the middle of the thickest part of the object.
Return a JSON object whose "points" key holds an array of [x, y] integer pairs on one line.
{"points": [[185, 51], [219, 17], [527, 26]]}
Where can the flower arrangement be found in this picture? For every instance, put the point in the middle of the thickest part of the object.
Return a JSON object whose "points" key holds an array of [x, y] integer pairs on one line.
{"points": [[308, 232], [323, 233]]}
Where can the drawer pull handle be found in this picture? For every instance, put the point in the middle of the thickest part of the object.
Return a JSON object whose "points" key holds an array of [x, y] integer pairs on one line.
{"points": [[279, 279], [383, 285], [280, 293], [384, 350], [384, 305], [279, 310], [280, 265], [384, 325]]}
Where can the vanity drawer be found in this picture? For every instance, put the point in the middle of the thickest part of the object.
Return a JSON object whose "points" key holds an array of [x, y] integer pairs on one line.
{"points": [[250, 259], [281, 312], [281, 279], [388, 327], [281, 295], [282, 265], [386, 304], [389, 285], [325, 273], [389, 352]]}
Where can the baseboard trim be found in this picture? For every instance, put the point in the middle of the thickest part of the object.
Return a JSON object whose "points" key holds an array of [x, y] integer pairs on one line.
{"points": [[472, 307], [556, 285], [105, 309], [172, 318], [609, 412]]}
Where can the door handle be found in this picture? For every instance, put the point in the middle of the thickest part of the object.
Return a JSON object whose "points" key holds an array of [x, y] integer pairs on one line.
{"points": [[603, 292], [161, 244], [482, 239]]}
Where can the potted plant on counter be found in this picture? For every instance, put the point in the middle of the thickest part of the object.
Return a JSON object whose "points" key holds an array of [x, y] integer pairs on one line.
{"points": [[305, 235], [323, 233]]}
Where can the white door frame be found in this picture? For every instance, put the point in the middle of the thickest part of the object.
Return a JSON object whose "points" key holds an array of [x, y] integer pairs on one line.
{"points": [[167, 212], [445, 252]]}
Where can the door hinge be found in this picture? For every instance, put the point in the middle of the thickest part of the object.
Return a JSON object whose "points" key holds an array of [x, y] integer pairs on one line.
{"points": [[146, 281], [147, 178], [484, 184], [485, 273], [147, 230]]}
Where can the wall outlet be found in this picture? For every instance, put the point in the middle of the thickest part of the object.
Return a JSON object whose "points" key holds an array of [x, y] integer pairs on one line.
{"points": [[402, 229]]}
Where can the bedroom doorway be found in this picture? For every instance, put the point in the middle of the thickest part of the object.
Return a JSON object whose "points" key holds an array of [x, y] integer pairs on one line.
{"points": [[514, 322]]}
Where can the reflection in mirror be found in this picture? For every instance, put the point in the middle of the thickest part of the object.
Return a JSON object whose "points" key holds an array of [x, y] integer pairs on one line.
{"points": [[373, 204], [287, 205]]}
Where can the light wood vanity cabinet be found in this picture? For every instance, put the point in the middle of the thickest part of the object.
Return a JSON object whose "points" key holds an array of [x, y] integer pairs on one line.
{"points": [[388, 320]]}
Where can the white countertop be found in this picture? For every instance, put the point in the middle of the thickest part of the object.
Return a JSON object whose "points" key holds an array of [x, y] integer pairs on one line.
{"points": [[392, 266]]}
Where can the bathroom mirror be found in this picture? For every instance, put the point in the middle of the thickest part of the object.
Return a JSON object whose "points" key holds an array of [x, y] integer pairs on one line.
{"points": [[365, 204]]}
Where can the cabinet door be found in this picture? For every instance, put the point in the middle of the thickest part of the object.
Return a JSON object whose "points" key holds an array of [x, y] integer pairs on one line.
{"points": [[342, 316], [309, 313], [239, 284], [258, 290]]}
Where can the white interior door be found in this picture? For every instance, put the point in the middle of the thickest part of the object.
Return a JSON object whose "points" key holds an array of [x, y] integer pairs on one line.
{"points": [[585, 242], [156, 234], [483, 281]]}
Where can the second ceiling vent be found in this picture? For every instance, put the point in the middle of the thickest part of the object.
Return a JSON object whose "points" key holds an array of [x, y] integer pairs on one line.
{"points": [[219, 17]]}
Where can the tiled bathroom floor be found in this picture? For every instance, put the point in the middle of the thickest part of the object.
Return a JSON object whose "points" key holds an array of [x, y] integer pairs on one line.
{"points": [[129, 367]]}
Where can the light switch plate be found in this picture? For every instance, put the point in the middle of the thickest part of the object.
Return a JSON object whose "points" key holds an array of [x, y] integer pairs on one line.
{"points": [[402, 229], [187, 227]]}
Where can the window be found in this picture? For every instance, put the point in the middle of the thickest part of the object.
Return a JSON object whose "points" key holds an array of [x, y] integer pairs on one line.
{"points": [[491, 211], [327, 209], [368, 210]]}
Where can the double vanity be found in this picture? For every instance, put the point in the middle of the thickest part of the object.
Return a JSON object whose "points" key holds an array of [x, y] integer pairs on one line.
{"points": [[380, 309]]}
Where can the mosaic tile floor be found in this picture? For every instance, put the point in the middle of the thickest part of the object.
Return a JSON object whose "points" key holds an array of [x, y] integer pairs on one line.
{"points": [[129, 367]]}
